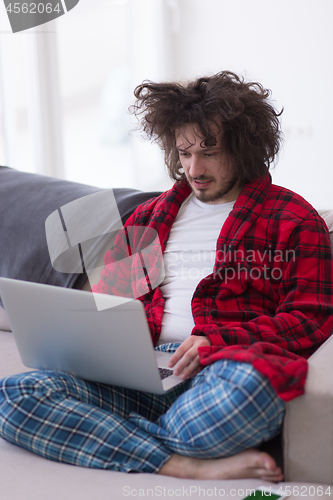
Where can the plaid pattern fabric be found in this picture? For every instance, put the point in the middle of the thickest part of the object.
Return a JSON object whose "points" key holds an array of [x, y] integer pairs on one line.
{"points": [[225, 409], [269, 300]]}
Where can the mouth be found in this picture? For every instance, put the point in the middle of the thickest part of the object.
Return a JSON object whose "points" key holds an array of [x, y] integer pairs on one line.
{"points": [[201, 184]]}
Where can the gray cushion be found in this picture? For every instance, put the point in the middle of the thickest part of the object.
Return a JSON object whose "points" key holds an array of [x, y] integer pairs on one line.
{"points": [[26, 202]]}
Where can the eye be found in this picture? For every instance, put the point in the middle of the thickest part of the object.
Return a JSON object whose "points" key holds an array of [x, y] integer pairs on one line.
{"points": [[183, 153]]}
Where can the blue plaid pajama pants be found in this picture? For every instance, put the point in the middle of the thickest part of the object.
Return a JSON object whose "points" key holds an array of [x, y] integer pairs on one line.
{"points": [[226, 408]]}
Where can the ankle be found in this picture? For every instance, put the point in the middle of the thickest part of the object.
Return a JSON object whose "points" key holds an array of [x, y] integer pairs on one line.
{"points": [[180, 466]]}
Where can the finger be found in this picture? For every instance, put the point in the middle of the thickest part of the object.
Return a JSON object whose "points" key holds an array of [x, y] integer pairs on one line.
{"points": [[175, 357], [191, 369], [182, 364], [186, 360], [192, 373], [181, 350]]}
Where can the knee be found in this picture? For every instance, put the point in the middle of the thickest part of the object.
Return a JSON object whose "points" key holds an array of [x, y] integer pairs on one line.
{"points": [[16, 387], [20, 395], [233, 388]]}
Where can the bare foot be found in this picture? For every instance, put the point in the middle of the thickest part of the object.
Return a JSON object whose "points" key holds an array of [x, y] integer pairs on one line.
{"points": [[247, 464]]}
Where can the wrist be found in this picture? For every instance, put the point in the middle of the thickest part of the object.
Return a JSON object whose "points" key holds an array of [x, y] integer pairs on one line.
{"points": [[211, 332]]}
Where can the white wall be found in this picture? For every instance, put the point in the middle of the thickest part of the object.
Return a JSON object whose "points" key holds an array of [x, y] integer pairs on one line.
{"points": [[287, 46]]}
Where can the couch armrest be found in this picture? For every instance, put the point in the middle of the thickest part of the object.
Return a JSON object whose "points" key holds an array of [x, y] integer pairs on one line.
{"points": [[308, 427]]}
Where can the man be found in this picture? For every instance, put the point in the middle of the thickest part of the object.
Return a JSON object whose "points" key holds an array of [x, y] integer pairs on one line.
{"points": [[246, 297]]}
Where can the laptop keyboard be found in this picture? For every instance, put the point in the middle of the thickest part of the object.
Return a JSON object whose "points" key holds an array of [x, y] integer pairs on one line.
{"points": [[165, 372]]}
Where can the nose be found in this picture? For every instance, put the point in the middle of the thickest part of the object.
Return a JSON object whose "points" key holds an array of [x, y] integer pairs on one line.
{"points": [[197, 167]]}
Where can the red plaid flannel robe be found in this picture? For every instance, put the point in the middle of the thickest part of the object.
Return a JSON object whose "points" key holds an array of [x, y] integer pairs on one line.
{"points": [[269, 299]]}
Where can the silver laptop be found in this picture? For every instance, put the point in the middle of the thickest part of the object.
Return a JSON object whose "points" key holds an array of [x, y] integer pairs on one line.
{"points": [[61, 329]]}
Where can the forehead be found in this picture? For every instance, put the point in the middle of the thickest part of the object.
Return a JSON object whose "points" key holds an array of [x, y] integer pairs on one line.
{"points": [[190, 135]]}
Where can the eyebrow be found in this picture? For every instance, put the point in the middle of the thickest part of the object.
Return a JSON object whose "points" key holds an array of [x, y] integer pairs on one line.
{"points": [[179, 148]]}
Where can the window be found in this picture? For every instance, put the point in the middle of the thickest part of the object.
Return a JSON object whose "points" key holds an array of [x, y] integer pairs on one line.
{"points": [[66, 115]]}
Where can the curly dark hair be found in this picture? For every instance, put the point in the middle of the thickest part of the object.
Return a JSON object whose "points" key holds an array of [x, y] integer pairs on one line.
{"points": [[250, 124]]}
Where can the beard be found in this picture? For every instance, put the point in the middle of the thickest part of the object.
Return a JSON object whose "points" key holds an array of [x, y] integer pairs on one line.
{"points": [[206, 197]]}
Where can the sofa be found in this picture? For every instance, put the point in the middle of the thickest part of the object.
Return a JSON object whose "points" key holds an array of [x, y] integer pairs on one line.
{"points": [[304, 449]]}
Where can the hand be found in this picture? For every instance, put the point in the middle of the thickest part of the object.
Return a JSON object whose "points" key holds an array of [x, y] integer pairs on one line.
{"points": [[188, 357]]}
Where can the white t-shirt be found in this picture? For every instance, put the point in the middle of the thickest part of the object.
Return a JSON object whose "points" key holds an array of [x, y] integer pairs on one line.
{"points": [[189, 257]]}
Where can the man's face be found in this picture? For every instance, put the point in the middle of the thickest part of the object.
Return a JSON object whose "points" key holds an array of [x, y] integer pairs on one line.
{"points": [[209, 170]]}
